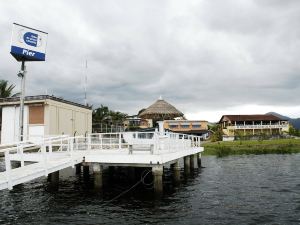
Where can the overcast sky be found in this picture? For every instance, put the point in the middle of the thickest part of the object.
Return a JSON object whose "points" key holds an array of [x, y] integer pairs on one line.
{"points": [[207, 58]]}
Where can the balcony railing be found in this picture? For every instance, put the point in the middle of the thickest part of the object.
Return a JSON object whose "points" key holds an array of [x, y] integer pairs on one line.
{"points": [[258, 126]]}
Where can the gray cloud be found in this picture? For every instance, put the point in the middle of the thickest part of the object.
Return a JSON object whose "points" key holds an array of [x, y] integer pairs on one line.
{"points": [[199, 55]]}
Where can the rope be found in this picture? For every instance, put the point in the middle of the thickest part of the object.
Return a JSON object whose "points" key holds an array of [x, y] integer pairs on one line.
{"points": [[136, 184], [143, 178]]}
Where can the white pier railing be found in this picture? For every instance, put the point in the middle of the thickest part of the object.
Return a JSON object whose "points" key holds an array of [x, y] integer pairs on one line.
{"points": [[51, 154]]}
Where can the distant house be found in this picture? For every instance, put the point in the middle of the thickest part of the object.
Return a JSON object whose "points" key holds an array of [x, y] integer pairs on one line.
{"points": [[195, 127], [136, 122], [44, 115], [252, 125]]}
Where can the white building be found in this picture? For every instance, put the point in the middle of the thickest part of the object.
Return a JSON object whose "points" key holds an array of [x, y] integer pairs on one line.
{"points": [[44, 115]]}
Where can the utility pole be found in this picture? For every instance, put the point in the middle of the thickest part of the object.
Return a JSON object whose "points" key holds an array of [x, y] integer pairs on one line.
{"points": [[85, 83], [22, 74]]}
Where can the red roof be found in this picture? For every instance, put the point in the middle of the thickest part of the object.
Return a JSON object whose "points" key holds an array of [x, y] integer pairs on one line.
{"points": [[262, 117]]}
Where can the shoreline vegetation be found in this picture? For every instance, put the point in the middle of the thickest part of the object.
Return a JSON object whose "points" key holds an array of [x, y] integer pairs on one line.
{"points": [[256, 147]]}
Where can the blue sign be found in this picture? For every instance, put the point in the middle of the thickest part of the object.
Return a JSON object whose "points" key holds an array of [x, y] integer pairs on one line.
{"points": [[27, 54], [28, 44], [30, 38]]}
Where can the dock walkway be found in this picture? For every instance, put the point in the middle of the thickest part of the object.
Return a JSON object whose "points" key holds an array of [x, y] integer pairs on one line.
{"points": [[133, 149]]}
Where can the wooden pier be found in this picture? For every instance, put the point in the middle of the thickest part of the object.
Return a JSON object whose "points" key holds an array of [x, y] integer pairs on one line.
{"points": [[48, 156]]}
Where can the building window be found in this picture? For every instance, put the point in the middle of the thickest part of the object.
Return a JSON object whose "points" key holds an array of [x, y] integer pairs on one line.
{"points": [[185, 126], [36, 114], [196, 125], [173, 126]]}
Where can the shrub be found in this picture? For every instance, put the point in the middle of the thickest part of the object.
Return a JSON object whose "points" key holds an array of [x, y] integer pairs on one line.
{"points": [[222, 151]]}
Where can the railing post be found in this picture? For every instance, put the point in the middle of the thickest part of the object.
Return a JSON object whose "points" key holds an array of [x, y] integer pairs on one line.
{"points": [[110, 141], [76, 142], [71, 153], [130, 149], [68, 147], [8, 170], [61, 144], [156, 142], [101, 141], [169, 141], [89, 142], [44, 156], [71, 148], [151, 149], [120, 141], [22, 155], [50, 147]]}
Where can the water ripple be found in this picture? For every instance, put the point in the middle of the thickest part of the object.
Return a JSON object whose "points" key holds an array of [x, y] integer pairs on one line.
{"points": [[262, 189]]}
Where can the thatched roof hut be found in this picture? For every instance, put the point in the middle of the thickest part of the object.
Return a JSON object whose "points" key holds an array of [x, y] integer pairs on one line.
{"points": [[160, 110]]}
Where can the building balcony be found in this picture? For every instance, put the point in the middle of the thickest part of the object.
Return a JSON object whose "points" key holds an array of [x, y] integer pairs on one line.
{"points": [[242, 127]]}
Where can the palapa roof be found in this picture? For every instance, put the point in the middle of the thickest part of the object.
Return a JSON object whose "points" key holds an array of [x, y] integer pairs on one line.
{"points": [[161, 108], [259, 117]]}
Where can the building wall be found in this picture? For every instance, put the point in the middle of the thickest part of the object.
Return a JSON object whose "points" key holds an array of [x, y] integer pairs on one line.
{"points": [[46, 118], [62, 118], [10, 124]]}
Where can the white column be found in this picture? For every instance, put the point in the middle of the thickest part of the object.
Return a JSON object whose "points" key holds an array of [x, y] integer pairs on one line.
{"points": [[161, 127]]}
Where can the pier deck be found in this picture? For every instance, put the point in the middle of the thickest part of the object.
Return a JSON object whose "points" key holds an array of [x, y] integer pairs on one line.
{"points": [[49, 155]]}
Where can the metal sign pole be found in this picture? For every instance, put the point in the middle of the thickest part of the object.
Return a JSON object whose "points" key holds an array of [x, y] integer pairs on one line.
{"points": [[21, 74], [27, 44]]}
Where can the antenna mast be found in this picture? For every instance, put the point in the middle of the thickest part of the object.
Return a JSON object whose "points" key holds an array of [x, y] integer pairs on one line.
{"points": [[85, 83]]}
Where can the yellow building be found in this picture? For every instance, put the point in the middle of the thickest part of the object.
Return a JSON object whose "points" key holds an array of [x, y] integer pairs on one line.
{"points": [[252, 125], [196, 127]]}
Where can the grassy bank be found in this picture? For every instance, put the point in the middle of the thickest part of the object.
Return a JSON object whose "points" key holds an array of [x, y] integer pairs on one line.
{"points": [[280, 146]]}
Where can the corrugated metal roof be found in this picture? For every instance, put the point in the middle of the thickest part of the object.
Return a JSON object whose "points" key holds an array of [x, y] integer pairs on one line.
{"points": [[36, 98]]}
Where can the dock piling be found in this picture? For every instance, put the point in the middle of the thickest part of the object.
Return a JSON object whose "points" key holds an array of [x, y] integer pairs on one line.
{"points": [[199, 160], [131, 172], [157, 172], [187, 165], [192, 162], [86, 170], [53, 178], [78, 168], [176, 171], [98, 171]]}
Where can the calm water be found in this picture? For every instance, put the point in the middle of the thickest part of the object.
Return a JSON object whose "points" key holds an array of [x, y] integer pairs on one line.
{"points": [[261, 189]]}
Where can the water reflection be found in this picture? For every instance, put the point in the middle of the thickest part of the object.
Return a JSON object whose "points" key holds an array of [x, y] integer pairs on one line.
{"points": [[233, 190]]}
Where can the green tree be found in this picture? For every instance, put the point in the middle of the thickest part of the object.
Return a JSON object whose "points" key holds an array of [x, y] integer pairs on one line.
{"points": [[104, 115], [100, 114], [6, 89], [5, 92], [217, 132], [293, 131]]}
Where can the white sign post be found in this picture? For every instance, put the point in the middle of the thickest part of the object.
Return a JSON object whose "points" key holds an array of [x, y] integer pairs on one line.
{"points": [[27, 44]]}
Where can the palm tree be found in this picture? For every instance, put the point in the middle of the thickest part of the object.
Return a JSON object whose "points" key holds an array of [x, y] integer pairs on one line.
{"points": [[6, 90]]}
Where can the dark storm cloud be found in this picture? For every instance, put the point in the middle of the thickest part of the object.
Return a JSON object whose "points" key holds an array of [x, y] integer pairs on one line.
{"points": [[199, 55]]}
